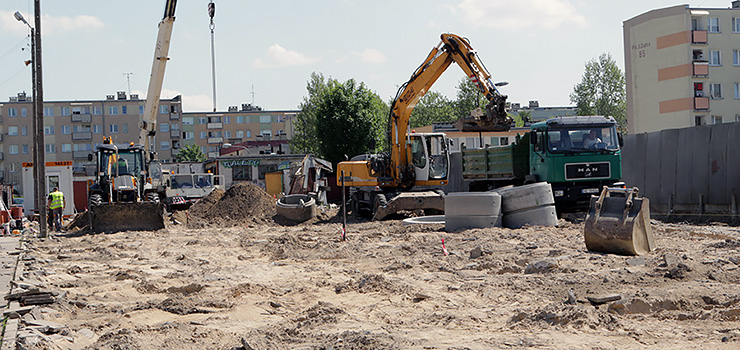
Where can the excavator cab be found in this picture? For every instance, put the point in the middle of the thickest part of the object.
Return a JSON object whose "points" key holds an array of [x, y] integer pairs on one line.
{"points": [[429, 155]]}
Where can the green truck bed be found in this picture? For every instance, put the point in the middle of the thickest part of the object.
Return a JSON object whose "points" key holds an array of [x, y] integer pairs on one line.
{"points": [[497, 163]]}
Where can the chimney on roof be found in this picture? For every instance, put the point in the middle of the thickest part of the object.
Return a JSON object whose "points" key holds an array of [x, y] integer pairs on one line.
{"points": [[121, 95], [736, 4], [534, 104]]}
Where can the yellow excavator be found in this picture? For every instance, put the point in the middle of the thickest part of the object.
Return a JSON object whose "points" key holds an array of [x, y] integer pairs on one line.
{"points": [[384, 184]]}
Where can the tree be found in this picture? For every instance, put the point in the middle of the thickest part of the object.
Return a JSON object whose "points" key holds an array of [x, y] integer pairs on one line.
{"points": [[469, 98], [602, 91], [521, 118], [432, 108], [349, 119], [306, 138], [190, 153]]}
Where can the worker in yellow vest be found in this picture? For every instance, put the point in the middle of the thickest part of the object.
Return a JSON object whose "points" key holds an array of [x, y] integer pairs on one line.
{"points": [[57, 204]]}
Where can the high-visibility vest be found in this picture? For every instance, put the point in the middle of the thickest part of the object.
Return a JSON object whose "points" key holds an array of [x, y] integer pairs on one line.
{"points": [[57, 200]]}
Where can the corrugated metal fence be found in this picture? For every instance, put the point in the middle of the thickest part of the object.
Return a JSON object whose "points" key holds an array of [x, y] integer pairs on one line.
{"points": [[688, 174]]}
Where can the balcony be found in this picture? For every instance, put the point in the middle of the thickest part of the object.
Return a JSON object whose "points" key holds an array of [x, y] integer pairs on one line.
{"points": [[212, 154], [82, 118], [175, 134], [2, 156], [215, 125], [215, 140], [701, 69], [174, 116], [701, 103], [699, 37], [82, 136], [80, 154]]}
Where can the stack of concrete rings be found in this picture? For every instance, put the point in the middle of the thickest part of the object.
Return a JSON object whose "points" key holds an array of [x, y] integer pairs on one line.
{"points": [[465, 210], [532, 204]]}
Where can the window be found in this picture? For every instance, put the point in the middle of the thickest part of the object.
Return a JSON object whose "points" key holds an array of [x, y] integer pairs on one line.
{"points": [[249, 133], [81, 128], [12, 131], [226, 120], [24, 112], [737, 117], [188, 135], [736, 57], [66, 112], [82, 147], [13, 149], [25, 149], [113, 110], [203, 135], [24, 130], [66, 147], [737, 90], [48, 111], [494, 141], [164, 109], [715, 91], [265, 119], [713, 25], [113, 128], [50, 148], [699, 120], [49, 130], [97, 128], [714, 58], [187, 121], [240, 134], [240, 119], [214, 134], [12, 112], [66, 129], [125, 128], [736, 24], [202, 120], [124, 109], [716, 119], [14, 167], [164, 127], [227, 134], [214, 119], [504, 140], [164, 145], [97, 110]]}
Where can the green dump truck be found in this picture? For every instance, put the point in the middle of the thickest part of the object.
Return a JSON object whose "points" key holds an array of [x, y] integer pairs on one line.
{"points": [[576, 155]]}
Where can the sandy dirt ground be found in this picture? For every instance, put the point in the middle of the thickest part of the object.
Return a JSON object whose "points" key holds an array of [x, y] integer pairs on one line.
{"points": [[266, 285]]}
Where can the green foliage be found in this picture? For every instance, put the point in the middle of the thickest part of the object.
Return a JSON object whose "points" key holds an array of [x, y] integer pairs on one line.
{"points": [[432, 108], [468, 98], [602, 91], [306, 137], [348, 119], [190, 153]]}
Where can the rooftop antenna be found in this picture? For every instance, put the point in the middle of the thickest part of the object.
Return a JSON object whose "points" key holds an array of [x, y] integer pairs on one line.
{"points": [[128, 80], [211, 13], [252, 94]]}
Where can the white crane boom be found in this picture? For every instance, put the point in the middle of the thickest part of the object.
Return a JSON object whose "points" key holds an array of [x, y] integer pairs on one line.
{"points": [[148, 126]]}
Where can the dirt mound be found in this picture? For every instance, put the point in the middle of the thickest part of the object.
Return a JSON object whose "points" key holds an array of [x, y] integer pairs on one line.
{"points": [[243, 203]]}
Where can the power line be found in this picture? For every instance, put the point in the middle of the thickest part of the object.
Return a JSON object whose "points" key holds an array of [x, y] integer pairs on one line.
{"points": [[14, 47], [13, 76]]}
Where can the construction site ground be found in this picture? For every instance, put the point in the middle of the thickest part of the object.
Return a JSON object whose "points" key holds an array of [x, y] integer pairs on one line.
{"points": [[228, 274]]}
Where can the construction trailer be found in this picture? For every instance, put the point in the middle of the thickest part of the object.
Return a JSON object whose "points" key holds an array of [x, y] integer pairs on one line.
{"points": [[58, 174]]}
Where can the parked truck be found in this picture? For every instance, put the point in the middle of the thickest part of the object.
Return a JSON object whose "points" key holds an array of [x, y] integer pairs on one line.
{"points": [[576, 155]]}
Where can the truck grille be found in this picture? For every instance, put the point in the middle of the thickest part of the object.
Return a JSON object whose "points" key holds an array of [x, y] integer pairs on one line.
{"points": [[587, 171]]}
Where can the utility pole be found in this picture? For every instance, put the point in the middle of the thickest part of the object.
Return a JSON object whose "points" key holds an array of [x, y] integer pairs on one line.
{"points": [[39, 103], [211, 13]]}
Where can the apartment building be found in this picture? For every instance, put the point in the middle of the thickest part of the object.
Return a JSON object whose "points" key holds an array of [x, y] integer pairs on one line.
{"points": [[682, 67], [73, 129]]}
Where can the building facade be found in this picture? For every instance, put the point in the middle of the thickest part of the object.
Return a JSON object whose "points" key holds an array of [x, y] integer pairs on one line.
{"points": [[73, 129], [682, 67]]}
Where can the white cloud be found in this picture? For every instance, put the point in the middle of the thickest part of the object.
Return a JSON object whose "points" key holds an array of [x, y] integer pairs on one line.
{"points": [[514, 15], [49, 25], [278, 56], [370, 56]]}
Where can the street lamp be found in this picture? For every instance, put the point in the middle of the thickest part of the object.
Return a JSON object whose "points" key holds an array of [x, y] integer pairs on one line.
{"points": [[228, 145], [39, 159]]}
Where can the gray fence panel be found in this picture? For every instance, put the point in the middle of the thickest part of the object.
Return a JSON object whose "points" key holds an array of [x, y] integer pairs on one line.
{"points": [[733, 160], [668, 157], [633, 160], [684, 167], [718, 165], [653, 153], [700, 137]]}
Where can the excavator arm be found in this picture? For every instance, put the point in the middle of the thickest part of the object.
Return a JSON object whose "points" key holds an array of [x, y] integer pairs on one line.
{"points": [[452, 48], [148, 126]]}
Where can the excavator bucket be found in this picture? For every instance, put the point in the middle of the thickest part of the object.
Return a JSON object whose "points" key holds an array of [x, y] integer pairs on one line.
{"points": [[619, 224], [137, 216], [409, 201], [483, 121]]}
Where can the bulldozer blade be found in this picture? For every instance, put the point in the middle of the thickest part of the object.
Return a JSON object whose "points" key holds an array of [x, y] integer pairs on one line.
{"points": [[619, 225], [411, 201], [116, 217]]}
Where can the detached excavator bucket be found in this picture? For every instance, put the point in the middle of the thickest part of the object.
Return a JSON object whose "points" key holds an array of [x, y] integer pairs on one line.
{"points": [[409, 201], [116, 217], [619, 224]]}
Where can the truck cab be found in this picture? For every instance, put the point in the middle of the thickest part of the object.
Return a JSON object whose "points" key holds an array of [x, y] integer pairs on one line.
{"points": [[577, 156]]}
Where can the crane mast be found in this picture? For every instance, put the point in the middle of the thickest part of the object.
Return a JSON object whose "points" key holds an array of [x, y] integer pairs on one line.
{"points": [[148, 127]]}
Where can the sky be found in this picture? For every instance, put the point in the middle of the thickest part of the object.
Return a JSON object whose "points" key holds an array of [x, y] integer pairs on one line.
{"points": [[266, 51]]}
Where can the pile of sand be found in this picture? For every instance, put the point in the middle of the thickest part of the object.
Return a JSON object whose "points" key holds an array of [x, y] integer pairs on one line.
{"points": [[243, 203]]}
